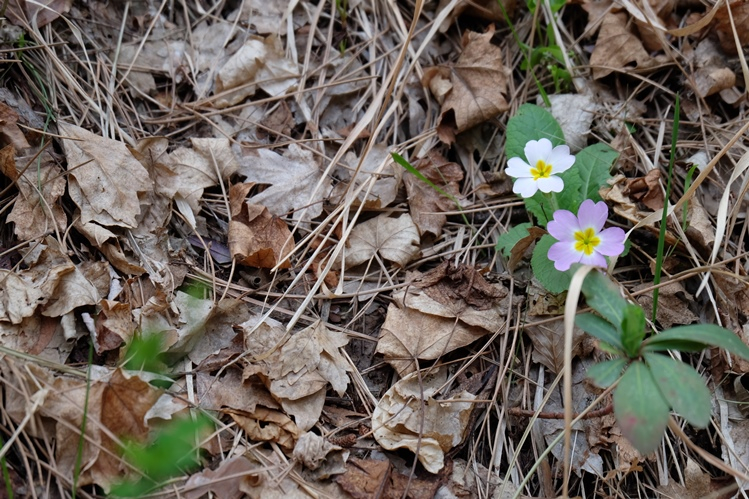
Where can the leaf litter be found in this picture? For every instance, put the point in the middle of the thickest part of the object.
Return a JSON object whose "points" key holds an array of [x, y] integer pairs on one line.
{"points": [[197, 186]]}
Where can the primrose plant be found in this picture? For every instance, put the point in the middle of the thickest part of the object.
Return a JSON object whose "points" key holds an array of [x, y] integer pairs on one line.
{"points": [[561, 192]]}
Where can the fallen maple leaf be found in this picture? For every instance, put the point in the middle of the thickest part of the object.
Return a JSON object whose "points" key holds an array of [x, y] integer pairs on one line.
{"points": [[104, 179], [472, 91], [393, 239], [296, 181]]}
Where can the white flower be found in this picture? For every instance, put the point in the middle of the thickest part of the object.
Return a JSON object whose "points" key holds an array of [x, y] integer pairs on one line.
{"points": [[539, 173]]}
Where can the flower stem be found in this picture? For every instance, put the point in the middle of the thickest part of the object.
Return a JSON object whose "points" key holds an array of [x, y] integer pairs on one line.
{"points": [[552, 201]]}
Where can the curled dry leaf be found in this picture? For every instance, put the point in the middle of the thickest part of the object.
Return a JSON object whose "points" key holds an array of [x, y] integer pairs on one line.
{"points": [[712, 74], [548, 343], [393, 239], [10, 133], [267, 425], [617, 47], [260, 63], [296, 181], [673, 304], [409, 416], [427, 205], [471, 91], [104, 179], [740, 13], [224, 482], [257, 238]]}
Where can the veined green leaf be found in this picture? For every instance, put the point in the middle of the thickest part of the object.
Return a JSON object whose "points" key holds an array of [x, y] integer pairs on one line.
{"points": [[682, 387], [707, 334], [604, 374], [509, 239], [633, 329], [603, 296], [594, 166], [640, 409], [600, 328], [543, 268], [531, 122]]}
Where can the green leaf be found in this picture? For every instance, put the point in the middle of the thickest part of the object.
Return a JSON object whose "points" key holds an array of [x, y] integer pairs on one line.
{"points": [[682, 387], [640, 409], [550, 278], [633, 329], [681, 345], [600, 328], [509, 239], [531, 122], [569, 199], [594, 166], [707, 334], [604, 374], [602, 294]]}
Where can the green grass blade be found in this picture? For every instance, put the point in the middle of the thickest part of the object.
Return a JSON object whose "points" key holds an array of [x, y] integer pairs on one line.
{"points": [[664, 218]]}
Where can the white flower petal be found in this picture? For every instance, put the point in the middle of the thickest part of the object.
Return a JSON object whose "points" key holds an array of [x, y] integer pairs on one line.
{"points": [[560, 159], [550, 184], [518, 168], [526, 187], [537, 150]]}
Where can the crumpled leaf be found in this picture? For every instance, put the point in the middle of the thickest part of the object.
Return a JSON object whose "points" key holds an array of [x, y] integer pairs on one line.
{"points": [[548, 343], [297, 368], [257, 238], [370, 478], [320, 456], [408, 416], [617, 47], [740, 13], [472, 91], [427, 205], [393, 239], [712, 71], [224, 482], [673, 304], [267, 425], [260, 63], [293, 180], [9, 130], [160, 57], [18, 297], [104, 179], [43, 12]]}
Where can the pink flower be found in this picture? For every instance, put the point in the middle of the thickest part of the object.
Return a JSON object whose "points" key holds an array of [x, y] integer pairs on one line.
{"points": [[581, 238], [539, 172]]}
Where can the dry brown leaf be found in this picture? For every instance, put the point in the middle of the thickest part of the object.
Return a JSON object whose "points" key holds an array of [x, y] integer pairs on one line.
{"points": [[427, 205], [700, 228], [114, 326], [8, 162], [548, 343], [697, 484], [740, 13], [470, 481], [487, 10], [223, 483], [712, 71], [393, 239], [18, 297], [366, 478], [518, 251], [267, 425], [472, 91], [408, 334], [458, 287], [617, 47], [260, 63], [647, 190], [319, 455], [104, 179], [378, 167], [10, 134], [259, 239], [408, 416], [36, 12], [154, 57], [33, 214], [293, 179], [673, 304], [41, 336]]}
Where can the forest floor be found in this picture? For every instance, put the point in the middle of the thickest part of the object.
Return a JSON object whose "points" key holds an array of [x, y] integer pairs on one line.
{"points": [[217, 279]]}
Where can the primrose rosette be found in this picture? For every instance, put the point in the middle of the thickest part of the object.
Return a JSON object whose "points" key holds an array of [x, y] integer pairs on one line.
{"points": [[582, 238]]}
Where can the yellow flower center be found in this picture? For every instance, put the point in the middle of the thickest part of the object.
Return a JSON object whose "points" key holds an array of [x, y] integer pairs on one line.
{"points": [[542, 170], [586, 240]]}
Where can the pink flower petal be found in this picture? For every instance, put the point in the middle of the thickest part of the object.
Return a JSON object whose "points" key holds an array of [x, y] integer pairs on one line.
{"points": [[550, 184], [564, 226], [595, 259], [612, 241], [537, 149], [526, 187], [563, 255], [592, 214], [560, 159], [518, 168]]}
